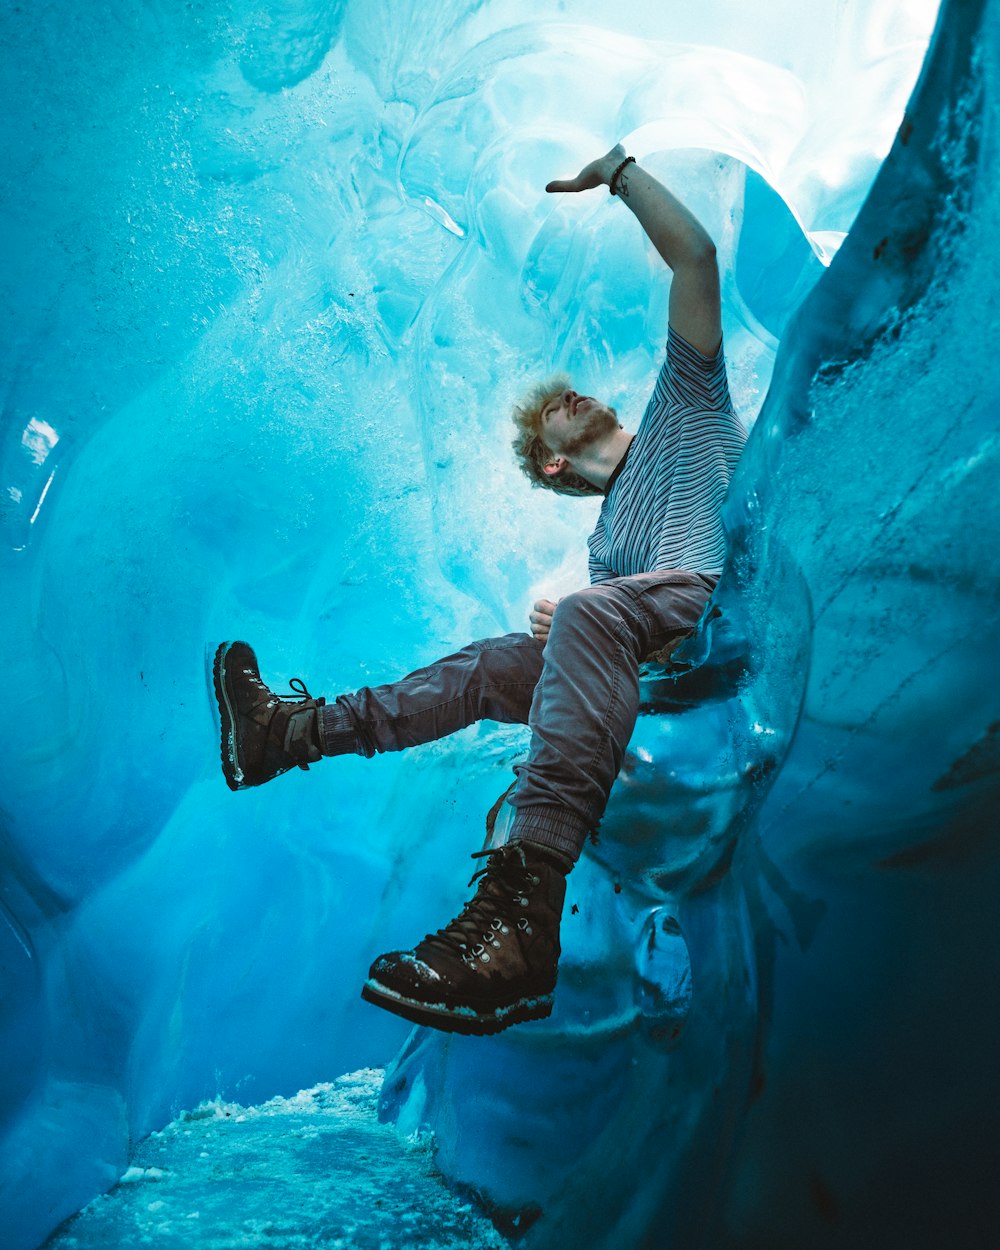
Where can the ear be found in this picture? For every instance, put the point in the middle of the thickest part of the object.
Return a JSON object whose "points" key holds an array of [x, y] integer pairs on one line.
{"points": [[555, 466]]}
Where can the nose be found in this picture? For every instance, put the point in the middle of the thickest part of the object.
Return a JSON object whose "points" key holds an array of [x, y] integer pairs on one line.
{"points": [[568, 396]]}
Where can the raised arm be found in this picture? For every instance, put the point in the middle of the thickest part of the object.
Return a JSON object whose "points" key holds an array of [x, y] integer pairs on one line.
{"points": [[677, 235]]}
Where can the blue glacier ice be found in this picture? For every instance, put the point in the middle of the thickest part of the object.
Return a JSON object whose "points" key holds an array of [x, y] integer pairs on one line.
{"points": [[272, 276], [315, 1169]]}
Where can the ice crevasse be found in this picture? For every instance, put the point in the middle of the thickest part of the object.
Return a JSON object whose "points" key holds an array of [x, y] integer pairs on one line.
{"points": [[271, 280]]}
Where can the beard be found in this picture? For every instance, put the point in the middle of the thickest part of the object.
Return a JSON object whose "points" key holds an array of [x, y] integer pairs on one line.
{"points": [[600, 423]]}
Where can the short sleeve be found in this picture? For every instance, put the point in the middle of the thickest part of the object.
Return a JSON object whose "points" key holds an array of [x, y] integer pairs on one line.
{"points": [[692, 380]]}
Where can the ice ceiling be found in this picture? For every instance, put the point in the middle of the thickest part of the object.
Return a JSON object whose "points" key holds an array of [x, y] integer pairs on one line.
{"points": [[272, 275]]}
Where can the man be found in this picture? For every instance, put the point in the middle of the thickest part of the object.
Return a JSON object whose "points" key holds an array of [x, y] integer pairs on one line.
{"points": [[654, 559]]}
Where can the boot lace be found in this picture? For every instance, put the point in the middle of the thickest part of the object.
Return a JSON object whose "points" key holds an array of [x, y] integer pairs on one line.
{"points": [[488, 917]]}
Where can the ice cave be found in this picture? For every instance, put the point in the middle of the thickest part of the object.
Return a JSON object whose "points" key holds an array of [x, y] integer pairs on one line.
{"points": [[273, 276]]}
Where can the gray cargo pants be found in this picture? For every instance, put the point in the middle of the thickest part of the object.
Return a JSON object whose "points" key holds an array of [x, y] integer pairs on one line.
{"points": [[579, 693]]}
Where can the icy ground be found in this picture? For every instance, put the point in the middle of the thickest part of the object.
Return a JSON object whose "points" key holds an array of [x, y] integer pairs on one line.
{"points": [[313, 1170]]}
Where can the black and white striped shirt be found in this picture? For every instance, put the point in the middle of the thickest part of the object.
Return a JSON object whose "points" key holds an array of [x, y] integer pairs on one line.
{"points": [[662, 508]]}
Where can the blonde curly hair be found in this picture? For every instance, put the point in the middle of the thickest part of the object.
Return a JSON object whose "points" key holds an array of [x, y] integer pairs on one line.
{"points": [[531, 452]]}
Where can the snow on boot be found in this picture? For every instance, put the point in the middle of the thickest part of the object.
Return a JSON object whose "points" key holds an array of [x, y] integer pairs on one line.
{"points": [[495, 964], [263, 734]]}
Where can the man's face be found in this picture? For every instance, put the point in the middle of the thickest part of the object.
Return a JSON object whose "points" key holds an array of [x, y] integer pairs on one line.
{"points": [[570, 423]]}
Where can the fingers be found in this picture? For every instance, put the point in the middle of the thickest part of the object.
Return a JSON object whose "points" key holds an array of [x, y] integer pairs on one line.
{"points": [[563, 184], [587, 178], [593, 175], [541, 618]]}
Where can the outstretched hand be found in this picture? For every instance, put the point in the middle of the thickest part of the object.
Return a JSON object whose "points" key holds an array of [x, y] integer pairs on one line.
{"points": [[596, 174]]}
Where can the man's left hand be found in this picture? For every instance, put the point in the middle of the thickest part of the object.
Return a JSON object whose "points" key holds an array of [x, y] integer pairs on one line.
{"points": [[541, 618]]}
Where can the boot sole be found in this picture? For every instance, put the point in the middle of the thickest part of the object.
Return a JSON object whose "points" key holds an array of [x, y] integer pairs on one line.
{"points": [[230, 755], [464, 1020]]}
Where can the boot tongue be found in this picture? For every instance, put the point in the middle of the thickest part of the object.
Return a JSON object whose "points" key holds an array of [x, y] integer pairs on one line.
{"points": [[297, 729]]}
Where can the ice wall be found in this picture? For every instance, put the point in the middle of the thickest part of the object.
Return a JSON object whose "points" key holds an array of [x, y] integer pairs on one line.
{"points": [[271, 276], [777, 1012]]}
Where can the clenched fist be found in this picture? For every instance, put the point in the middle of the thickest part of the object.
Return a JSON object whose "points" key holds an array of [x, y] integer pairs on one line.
{"points": [[541, 618]]}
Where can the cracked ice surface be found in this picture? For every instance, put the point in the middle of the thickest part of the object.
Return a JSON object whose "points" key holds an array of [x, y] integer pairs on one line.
{"points": [[272, 274]]}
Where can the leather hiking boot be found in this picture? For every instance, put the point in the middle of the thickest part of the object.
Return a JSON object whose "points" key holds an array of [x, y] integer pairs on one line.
{"points": [[263, 734], [495, 964]]}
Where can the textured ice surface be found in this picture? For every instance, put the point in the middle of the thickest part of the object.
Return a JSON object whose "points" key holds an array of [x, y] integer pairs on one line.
{"points": [[808, 839], [313, 1170], [271, 274]]}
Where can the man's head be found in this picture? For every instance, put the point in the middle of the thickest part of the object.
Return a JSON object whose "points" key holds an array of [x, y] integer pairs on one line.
{"points": [[554, 425]]}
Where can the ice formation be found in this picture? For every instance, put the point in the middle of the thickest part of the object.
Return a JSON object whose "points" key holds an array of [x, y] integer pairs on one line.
{"points": [[316, 1169], [272, 275]]}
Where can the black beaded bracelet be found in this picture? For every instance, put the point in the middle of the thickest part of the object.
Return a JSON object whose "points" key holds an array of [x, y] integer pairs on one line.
{"points": [[629, 160]]}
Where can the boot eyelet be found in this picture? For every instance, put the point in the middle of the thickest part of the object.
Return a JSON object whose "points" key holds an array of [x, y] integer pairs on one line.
{"points": [[485, 957], [478, 949], [497, 924], [523, 925]]}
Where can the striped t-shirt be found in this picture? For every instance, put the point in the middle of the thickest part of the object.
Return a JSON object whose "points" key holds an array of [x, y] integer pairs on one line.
{"points": [[663, 506]]}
